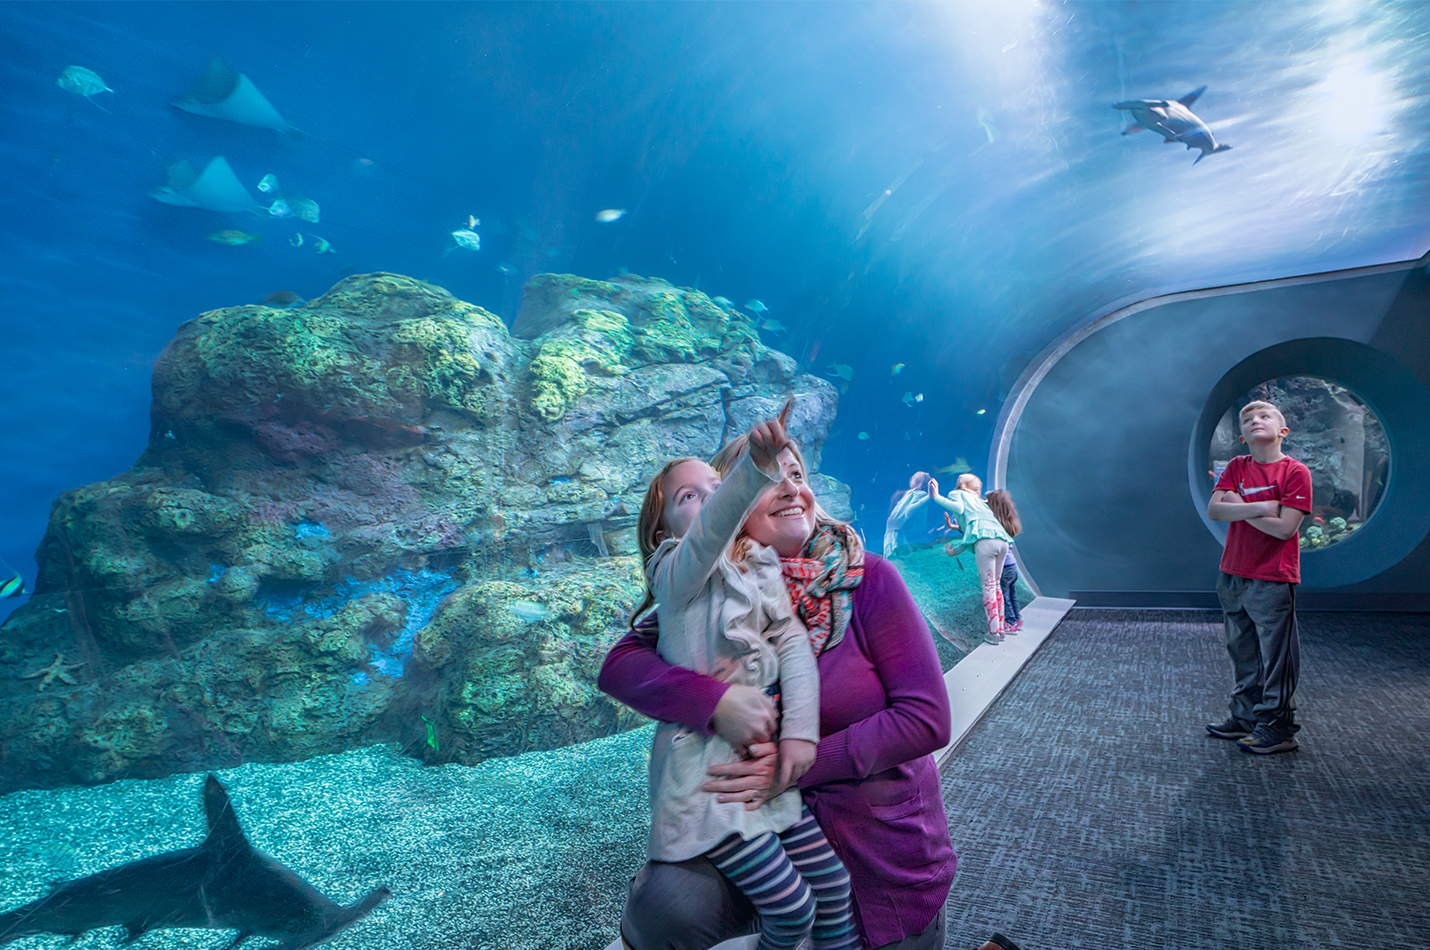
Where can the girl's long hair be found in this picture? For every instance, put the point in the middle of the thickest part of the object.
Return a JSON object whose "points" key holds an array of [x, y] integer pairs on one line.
{"points": [[652, 522], [1001, 503]]}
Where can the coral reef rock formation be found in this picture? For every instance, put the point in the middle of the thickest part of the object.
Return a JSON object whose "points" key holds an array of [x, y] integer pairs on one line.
{"points": [[379, 517]]}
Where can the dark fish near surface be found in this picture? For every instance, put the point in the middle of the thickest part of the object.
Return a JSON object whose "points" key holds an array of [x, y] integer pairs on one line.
{"points": [[224, 884], [283, 299]]}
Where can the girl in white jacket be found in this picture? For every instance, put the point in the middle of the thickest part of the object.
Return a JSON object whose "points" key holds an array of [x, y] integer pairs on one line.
{"points": [[731, 617]]}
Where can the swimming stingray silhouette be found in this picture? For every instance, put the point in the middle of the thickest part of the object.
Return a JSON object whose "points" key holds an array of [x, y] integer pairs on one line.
{"points": [[223, 92], [216, 188], [1174, 119], [224, 883]]}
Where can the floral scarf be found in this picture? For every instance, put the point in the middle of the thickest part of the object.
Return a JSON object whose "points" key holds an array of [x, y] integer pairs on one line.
{"points": [[821, 584]]}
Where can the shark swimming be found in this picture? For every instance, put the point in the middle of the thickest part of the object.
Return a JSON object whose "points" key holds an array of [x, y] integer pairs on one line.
{"points": [[223, 884], [1174, 120]]}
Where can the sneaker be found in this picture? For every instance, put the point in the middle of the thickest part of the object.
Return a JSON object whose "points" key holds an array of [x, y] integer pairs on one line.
{"points": [[1265, 739], [1013, 627], [1232, 728]]}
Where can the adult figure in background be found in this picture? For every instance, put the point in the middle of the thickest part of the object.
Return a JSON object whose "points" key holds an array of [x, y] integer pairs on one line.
{"points": [[874, 786], [908, 515], [985, 534]]}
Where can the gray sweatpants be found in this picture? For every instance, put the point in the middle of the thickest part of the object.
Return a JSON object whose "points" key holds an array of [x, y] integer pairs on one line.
{"points": [[1260, 619]]}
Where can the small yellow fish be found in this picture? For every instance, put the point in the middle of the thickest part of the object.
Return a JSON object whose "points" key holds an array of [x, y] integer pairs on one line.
{"points": [[896, 369], [610, 215], [233, 237], [842, 370]]}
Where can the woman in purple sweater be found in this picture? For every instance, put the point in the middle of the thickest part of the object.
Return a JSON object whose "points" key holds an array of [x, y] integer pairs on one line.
{"points": [[874, 787]]}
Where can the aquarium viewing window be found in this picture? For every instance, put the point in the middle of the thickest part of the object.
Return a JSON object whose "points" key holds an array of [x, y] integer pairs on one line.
{"points": [[1339, 438]]}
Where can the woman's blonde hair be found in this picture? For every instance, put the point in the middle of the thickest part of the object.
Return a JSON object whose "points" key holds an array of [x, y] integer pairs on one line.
{"points": [[971, 482]]}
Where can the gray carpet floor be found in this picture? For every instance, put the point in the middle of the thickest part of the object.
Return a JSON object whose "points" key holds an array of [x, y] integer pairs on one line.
{"points": [[1090, 808]]}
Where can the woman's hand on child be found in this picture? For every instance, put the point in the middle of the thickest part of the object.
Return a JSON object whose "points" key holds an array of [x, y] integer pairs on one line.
{"points": [[744, 716], [745, 780], [796, 756]]}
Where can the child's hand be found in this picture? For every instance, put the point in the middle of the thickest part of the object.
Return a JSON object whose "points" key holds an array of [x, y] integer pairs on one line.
{"points": [[796, 756], [933, 488], [769, 438]]}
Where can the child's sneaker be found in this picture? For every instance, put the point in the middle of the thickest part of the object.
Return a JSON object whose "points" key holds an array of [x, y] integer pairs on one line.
{"points": [[1013, 627], [1266, 739], [1232, 728]]}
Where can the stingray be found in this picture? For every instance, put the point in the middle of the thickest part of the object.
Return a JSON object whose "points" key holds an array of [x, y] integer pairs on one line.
{"points": [[216, 188], [1174, 120], [223, 884], [223, 92]]}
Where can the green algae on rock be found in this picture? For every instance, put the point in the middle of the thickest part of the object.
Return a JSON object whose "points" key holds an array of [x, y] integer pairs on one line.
{"points": [[331, 492]]}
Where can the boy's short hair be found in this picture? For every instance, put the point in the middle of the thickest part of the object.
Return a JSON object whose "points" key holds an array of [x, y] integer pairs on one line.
{"points": [[1261, 404]]}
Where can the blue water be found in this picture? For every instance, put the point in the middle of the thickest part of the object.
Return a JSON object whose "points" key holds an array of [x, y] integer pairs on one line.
{"points": [[942, 186]]}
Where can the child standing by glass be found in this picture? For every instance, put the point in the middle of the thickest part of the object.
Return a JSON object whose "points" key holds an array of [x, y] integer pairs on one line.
{"points": [[982, 532], [725, 611], [1001, 504]]}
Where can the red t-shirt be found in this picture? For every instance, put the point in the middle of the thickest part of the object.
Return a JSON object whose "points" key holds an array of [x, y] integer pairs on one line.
{"points": [[1252, 553]]}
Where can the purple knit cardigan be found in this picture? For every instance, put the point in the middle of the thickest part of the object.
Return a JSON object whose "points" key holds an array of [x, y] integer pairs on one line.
{"points": [[874, 787]]}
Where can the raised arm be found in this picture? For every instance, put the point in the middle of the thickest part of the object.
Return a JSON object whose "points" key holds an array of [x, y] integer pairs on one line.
{"points": [[953, 503], [677, 576], [916, 721]]}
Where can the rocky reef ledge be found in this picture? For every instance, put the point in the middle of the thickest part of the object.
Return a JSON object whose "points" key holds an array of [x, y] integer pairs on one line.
{"points": [[380, 517]]}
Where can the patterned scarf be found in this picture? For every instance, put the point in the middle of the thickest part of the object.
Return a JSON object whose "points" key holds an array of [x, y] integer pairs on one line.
{"points": [[821, 584]]}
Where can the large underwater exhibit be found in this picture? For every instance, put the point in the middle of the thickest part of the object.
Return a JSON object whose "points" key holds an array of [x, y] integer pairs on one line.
{"points": [[372, 369]]}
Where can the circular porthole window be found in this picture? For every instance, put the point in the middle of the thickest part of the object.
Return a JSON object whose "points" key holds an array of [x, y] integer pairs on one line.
{"points": [[1336, 435]]}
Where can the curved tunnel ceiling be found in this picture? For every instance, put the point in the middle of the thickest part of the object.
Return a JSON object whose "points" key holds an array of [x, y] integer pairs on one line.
{"points": [[942, 185]]}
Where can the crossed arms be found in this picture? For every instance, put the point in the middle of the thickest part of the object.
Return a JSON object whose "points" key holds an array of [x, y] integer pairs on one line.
{"points": [[1268, 517]]}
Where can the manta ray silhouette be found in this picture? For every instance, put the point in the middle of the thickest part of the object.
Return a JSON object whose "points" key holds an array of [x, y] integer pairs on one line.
{"points": [[224, 883], [1174, 119], [216, 188], [223, 92]]}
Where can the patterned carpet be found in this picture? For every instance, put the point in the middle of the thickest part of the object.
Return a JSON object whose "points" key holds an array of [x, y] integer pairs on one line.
{"points": [[1089, 808]]}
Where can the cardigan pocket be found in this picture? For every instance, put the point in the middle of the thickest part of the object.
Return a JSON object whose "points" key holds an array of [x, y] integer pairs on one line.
{"points": [[896, 810], [906, 840]]}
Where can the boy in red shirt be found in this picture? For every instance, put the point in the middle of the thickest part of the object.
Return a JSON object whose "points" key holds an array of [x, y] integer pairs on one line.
{"points": [[1264, 495]]}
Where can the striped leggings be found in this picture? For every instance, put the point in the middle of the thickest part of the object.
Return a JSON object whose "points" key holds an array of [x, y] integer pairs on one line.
{"points": [[796, 882]]}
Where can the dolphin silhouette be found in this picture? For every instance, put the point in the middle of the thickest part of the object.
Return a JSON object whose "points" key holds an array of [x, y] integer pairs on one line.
{"points": [[224, 883], [1174, 119]]}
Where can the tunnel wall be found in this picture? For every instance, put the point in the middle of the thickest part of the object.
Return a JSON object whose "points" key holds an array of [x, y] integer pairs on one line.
{"points": [[1103, 442]]}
